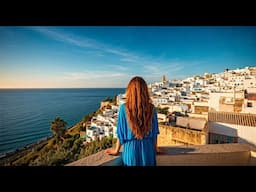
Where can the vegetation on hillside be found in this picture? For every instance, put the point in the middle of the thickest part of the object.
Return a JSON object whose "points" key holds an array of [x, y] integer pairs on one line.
{"points": [[58, 126], [65, 146], [111, 100]]}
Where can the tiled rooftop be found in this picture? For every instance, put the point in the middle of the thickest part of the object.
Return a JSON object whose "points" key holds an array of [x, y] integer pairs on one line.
{"points": [[233, 118]]}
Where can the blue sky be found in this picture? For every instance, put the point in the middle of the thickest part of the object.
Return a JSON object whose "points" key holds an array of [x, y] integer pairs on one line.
{"points": [[109, 56]]}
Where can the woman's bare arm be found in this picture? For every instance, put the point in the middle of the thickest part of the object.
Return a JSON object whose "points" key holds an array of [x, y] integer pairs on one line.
{"points": [[116, 150]]}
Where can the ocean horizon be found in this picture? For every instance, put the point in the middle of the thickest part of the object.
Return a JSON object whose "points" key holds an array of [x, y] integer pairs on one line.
{"points": [[26, 113]]}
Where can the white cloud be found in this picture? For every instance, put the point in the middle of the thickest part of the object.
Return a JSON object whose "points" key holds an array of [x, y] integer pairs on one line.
{"points": [[118, 67], [92, 75], [85, 42], [145, 66], [132, 60]]}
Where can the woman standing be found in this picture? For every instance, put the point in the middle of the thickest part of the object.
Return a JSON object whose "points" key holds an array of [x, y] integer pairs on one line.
{"points": [[137, 126]]}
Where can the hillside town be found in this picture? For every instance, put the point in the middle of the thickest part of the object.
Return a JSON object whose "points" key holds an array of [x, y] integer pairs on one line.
{"points": [[207, 109]]}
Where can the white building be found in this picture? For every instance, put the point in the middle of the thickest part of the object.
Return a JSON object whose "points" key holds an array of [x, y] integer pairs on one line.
{"points": [[161, 117], [250, 82], [108, 112], [232, 128], [157, 101], [101, 117], [114, 108], [120, 99], [223, 101], [250, 101], [92, 131]]}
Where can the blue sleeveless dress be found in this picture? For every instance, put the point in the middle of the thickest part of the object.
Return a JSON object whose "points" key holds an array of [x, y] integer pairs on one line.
{"points": [[136, 152]]}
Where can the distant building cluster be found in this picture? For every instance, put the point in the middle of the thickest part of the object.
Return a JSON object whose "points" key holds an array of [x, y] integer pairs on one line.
{"points": [[101, 125], [190, 100], [229, 91]]}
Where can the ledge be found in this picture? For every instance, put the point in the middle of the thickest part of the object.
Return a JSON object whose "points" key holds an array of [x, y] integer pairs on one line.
{"points": [[98, 159], [232, 154], [206, 155]]}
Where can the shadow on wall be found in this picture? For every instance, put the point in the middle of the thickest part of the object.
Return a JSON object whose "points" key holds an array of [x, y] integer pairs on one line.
{"points": [[252, 145], [220, 133], [177, 150]]}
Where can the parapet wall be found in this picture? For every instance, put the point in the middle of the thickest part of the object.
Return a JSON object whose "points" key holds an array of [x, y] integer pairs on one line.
{"points": [[232, 154], [206, 155]]}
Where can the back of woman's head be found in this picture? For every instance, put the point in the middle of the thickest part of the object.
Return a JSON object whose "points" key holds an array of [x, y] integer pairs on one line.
{"points": [[139, 109]]}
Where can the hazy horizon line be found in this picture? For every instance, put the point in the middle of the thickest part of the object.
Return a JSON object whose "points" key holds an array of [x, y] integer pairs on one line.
{"points": [[65, 88]]}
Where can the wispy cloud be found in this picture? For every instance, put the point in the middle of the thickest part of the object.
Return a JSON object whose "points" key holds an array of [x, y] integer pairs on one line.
{"points": [[151, 68], [91, 75], [128, 60], [85, 42], [67, 38], [164, 68], [144, 64], [118, 67], [95, 52]]}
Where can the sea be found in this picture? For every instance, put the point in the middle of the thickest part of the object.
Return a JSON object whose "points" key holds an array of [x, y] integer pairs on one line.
{"points": [[26, 114]]}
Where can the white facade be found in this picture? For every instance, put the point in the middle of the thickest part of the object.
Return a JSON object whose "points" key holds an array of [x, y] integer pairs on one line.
{"points": [[107, 130], [114, 108], [101, 117], [157, 101], [245, 134], [249, 106], [175, 107], [250, 82], [120, 99], [108, 112], [92, 131], [161, 117], [193, 123]]}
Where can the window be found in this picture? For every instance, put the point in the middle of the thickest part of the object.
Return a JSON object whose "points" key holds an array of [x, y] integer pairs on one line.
{"points": [[249, 104]]}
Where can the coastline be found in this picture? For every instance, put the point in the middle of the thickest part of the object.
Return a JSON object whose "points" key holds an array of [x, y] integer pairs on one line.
{"points": [[16, 154], [7, 159]]}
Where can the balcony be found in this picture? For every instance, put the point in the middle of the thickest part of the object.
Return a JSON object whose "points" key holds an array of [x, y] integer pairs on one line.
{"points": [[233, 154]]}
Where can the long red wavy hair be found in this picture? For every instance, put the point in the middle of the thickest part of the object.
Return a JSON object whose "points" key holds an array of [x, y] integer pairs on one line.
{"points": [[139, 108]]}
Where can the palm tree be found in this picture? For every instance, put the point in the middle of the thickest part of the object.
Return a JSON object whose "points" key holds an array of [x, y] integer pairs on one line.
{"points": [[58, 126]]}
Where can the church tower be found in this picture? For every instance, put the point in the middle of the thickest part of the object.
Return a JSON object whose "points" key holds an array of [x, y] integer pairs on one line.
{"points": [[163, 78]]}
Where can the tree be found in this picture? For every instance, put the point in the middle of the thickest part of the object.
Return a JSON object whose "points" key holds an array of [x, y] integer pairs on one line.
{"points": [[58, 126], [108, 99], [163, 110]]}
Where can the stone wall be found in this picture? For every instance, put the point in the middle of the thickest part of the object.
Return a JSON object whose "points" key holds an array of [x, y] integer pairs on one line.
{"points": [[175, 136]]}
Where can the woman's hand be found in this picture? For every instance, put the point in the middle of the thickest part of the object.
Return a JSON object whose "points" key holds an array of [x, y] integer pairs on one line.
{"points": [[115, 151], [111, 152]]}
